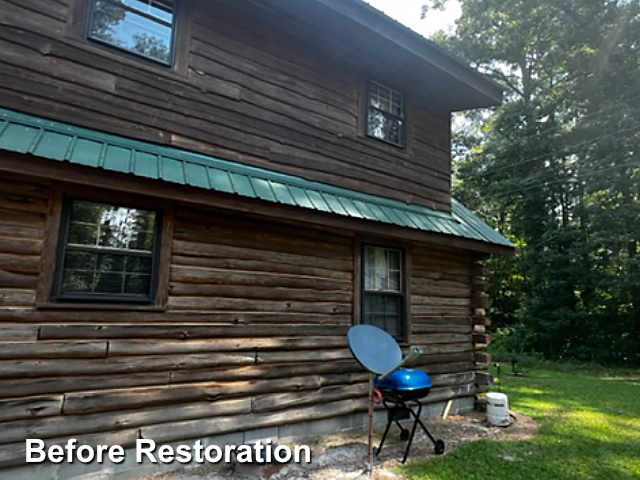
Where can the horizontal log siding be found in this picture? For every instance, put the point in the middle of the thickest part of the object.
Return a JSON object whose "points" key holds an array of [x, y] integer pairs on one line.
{"points": [[253, 92], [254, 334], [441, 311]]}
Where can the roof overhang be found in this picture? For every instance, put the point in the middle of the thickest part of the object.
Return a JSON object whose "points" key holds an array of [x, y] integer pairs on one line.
{"points": [[465, 87], [217, 179]]}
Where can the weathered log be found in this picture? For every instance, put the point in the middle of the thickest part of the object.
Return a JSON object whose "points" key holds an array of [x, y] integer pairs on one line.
{"points": [[482, 320], [304, 356], [213, 303], [417, 300], [480, 338], [131, 316], [440, 338], [451, 348], [17, 297], [16, 387], [184, 332], [480, 300], [265, 371], [265, 403], [31, 350], [19, 333], [184, 247], [423, 328], [164, 347], [484, 378], [263, 266], [91, 366], [27, 264], [30, 407], [452, 379], [207, 427], [112, 421], [214, 276], [252, 293], [17, 280], [14, 454], [442, 310], [440, 320], [481, 357], [105, 400]]}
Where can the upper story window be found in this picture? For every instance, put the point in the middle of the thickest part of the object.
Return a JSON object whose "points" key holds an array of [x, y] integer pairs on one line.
{"points": [[107, 252], [143, 27], [386, 116], [384, 290]]}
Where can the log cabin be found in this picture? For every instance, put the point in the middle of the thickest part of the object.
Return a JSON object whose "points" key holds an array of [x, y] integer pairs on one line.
{"points": [[198, 199]]}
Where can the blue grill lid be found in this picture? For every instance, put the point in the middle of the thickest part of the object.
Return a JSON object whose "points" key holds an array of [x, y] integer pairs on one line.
{"points": [[405, 379]]}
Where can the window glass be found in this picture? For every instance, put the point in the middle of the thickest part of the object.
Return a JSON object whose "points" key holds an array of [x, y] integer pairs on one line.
{"points": [[383, 290], [109, 252], [385, 114], [142, 27]]}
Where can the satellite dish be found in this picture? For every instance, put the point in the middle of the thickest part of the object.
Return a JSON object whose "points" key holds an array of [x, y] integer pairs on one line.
{"points": [[374, 349]]}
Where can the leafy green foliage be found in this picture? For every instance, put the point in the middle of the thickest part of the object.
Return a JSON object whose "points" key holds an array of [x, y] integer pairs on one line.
{"points": [[590, 431], [557, 168]]}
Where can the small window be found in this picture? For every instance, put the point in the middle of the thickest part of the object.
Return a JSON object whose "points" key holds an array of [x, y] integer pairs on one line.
{"points": [[383, 290], [385, 114], [107, 253], [144, 27]]}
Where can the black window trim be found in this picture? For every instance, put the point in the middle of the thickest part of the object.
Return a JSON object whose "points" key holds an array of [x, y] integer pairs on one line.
{"points": [[120, 299], [404, 293], [403, 139], [174, 28]]}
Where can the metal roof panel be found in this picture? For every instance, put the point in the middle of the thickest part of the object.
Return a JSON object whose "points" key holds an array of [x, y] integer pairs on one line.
{"points": [[60, 141]]}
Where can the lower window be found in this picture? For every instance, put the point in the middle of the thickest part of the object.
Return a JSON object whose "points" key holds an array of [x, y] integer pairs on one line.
{"points": [[107, 253], [384, 290]]}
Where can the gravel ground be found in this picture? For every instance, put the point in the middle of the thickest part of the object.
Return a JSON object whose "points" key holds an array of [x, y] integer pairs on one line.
{"points": [[342, 457]]}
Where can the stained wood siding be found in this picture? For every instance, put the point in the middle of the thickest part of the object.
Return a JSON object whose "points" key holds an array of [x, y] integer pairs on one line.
{"points": [[254, 334], [253, 89]]}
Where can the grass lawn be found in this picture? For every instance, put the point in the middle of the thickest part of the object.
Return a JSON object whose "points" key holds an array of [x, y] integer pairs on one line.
{"points": [[590, 430]]}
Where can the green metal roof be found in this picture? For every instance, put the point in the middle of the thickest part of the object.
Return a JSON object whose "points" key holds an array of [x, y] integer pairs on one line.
{"points": [[64, 142]]}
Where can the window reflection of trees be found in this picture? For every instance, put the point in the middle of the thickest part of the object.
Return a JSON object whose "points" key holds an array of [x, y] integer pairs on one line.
{"points": [[109, 250], [141, 27]]}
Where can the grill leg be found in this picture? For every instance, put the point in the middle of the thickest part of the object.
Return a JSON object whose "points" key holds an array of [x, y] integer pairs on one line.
{"points": [[413, 429]]}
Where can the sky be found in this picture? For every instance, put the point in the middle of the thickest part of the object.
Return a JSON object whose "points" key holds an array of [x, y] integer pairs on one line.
{"points": [[408, 12]]}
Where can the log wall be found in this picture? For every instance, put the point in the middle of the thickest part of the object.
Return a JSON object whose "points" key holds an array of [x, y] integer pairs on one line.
{"points": [[253, 333], [249, 86]]}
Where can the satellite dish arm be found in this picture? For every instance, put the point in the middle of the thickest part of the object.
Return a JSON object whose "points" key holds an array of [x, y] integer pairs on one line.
{"points": [[414, 353]]}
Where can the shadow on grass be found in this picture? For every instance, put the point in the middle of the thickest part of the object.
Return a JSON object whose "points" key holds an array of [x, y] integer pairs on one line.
{"points": [[590, 430]]}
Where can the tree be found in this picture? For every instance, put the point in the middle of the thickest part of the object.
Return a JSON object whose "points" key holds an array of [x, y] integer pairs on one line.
{"points": [[558, 167]]}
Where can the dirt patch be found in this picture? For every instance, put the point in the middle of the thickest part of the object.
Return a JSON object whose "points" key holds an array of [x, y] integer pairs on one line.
{"points": [[342, 457]]}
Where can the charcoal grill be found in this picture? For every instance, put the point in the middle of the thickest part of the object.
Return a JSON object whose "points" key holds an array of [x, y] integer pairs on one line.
{"points": [[401, 392]]}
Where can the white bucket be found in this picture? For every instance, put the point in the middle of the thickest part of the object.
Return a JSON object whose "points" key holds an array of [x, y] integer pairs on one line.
{"points": [[498, 409]]}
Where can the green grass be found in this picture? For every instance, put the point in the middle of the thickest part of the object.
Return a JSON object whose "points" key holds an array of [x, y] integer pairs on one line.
{"points": [[590, 420]]}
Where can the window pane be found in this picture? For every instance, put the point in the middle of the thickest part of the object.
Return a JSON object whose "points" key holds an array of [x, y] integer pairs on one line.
{"points": [[382, 271], [384, 311], [77, 281], [97, 224], [110, 251], [161, 10], [384, 127], [139, 264], [137, 283], [107, 282], [80, 261], [115, 25]]}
